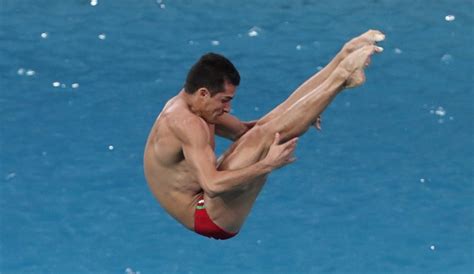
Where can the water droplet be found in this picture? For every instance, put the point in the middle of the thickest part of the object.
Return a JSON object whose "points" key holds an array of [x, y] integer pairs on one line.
{"points": [[162, 6], [10, 176], [56, 84], [432, 247], [450, 18], [447, 58], [44, 35], [397, 51], [422, 180], [111, 147], [298, 47], [30, 72], [254, 31], [440, 111], [75, 85], [215, 43], [319, 67], [102, 36], [128, 270], [21, 71], [94, 3]]}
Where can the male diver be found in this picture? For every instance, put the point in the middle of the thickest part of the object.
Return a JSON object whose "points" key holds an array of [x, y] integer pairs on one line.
{"points": [[213, 197]]}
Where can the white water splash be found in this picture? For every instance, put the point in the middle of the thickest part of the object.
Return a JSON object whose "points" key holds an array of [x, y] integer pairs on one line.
{"points": [[450, 18], [128, 270], [254, 31], [10, 176]]}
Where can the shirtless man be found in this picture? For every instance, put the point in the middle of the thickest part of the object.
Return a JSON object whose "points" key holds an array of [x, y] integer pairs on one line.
{"points": [[213, 197]]}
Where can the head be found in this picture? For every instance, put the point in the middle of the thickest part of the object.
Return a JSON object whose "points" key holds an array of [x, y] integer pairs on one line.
{"points": [[212, 80]]}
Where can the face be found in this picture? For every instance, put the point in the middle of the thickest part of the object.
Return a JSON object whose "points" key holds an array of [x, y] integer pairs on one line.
{"points": [[215, 106]]}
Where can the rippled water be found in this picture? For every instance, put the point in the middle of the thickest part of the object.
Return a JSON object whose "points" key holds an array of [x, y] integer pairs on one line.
{"points": [[386, 187]]}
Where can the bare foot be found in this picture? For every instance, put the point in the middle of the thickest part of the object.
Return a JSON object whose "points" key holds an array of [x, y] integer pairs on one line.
{"points": [[370, 37], [353, 65]]}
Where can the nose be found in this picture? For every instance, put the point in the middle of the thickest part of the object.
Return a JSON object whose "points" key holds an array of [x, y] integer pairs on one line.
{"points": [[227, 108]]}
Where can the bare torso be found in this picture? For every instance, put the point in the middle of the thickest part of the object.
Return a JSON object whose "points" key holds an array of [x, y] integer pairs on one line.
{"points": [[177, 188]]}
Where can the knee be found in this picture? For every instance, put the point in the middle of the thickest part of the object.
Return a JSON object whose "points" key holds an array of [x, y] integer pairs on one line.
{"points": [[262, 132]]}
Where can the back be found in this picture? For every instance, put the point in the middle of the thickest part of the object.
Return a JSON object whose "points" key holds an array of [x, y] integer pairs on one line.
{"points": [[166, 170]]}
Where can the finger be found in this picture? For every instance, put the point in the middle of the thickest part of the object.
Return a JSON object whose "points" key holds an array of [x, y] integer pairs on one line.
{"points": [[293, 141], [290, 147], [276, 141]]}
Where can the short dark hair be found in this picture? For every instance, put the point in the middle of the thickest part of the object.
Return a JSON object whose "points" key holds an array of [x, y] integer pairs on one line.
{"points": [[211, 71]]}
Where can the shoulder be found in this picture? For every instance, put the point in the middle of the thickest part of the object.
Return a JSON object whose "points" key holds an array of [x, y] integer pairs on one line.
{"points": [[188, 127]]}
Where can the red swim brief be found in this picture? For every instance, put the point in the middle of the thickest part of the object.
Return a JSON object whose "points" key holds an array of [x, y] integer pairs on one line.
{"points": [[205, 226]]}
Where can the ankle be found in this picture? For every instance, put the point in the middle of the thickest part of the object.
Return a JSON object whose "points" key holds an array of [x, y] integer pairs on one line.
{"points": [[341, 74]]}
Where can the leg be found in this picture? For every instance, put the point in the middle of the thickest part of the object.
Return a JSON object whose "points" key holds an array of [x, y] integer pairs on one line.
{"points": [[368, 38], [230, 210]]}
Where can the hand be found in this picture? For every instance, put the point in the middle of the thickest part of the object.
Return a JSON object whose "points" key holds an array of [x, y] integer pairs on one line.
{"points": [[280, 155]]}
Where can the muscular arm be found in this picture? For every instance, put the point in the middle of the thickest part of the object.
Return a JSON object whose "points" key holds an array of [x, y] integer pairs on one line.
{"points": [[230, 127], [194, 135]]}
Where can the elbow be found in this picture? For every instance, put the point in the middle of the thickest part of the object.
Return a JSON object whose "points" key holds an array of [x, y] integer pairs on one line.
{"points": [[211, 194], [211, 190]]}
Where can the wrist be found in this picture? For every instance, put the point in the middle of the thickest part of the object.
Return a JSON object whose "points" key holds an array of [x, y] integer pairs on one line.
{"points": [[265, 167]]}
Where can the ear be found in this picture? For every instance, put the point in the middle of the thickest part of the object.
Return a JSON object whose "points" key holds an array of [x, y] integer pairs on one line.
{"points": [[203, 92]]}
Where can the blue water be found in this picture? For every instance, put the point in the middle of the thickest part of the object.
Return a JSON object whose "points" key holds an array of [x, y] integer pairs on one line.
{"points": [[386, 187]]}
